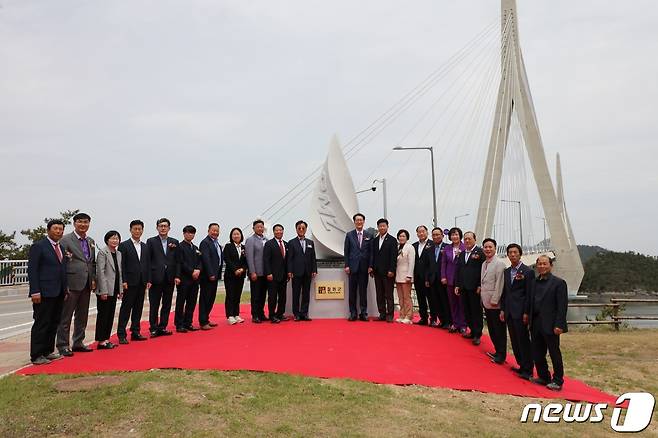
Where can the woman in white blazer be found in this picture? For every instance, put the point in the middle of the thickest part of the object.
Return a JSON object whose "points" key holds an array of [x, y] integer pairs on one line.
{"points": [[404, 275], [109, 281]]}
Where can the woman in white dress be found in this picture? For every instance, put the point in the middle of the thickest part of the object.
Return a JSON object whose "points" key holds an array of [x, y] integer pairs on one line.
{"points": [[404, 275]]}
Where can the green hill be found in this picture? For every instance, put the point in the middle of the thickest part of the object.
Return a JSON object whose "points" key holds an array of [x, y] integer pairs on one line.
{"points": [[609, 271]]}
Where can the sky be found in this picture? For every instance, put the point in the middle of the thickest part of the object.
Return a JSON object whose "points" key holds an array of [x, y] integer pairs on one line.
{"points": [[205, 111]]}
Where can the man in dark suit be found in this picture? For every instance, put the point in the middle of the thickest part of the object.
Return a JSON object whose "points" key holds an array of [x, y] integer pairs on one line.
{"points": [[212, 261], [302, 268], [275, 266], [357, 258], [433, 278], [515, 309], [136, 272], [80, 249], [162, 256], [188, 271], [427, 300], [383, 262], [550, 300], [46, 271], [469, 273]]}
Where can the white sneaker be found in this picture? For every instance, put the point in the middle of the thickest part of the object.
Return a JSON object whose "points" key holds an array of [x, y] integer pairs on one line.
{"points": [[398, 320], [406, 321], [232, 320], [239, 319]]}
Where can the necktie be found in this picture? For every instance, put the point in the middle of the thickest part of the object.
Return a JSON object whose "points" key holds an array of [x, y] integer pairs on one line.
{"points": [[303, 243], [360, 238], [58, 252], [85, 247], [283, 251], [219, 252], [436, 253]]}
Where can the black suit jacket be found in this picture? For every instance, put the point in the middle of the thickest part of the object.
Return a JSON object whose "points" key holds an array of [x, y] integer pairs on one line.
{"points": [[516, 294], [302, 263], [135, 271], [235, 261], [433, 267], [549, 304], [273, 262], [46, 274], [189, 259], [384, 260], [212, 265], [422, 260], [469, 273], [163, 267]]}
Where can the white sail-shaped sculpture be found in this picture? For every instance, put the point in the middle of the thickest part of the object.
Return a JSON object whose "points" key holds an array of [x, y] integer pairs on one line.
{"points": [[333, 204]]}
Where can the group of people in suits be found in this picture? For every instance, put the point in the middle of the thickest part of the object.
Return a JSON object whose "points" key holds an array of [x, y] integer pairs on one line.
{"points": [[459, 283], [456, 284]]}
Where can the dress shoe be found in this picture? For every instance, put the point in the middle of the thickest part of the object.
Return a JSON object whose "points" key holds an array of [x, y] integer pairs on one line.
{"points": [[306, 318], [516, 370], [54, 356], [452, 329], [297, 318], [207, 327], [434, 324], [165, 332], [498, 360], [421, 322], [138, 337], [255, 320], [381, 317], [462, 331], [212, 324], [467, 335], [525, 376], [363, 318], [538, 381], [352, 318], [444, 326], [66, 352], [283, 318], [154, 333], [82, 349], [476, 341], [106, 346], [181, 330], [191, 328], [554, 386], [264, 318], [123, 341], [275, 320], [40, 361], [389, 319]]}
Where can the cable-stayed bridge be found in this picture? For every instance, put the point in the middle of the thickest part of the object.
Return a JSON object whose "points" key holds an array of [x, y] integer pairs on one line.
{"points": [[486, 170]]}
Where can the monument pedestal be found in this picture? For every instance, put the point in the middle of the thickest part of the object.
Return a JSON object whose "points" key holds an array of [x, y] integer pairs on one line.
{"points": [[332, 308]]}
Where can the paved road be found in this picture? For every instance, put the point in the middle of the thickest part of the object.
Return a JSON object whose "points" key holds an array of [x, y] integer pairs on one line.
{"points": [[16, 313]]}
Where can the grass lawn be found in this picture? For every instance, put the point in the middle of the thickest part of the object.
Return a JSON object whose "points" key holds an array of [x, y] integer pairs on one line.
{"points": [[213, 403]]}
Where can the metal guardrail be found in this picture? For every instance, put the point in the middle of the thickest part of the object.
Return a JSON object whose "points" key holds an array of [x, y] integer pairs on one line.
{"points": [[616, 305], [13, 272]]}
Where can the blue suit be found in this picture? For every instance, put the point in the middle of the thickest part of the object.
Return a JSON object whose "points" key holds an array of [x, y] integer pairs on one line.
{"points": [[357, 259], [47, 276]]}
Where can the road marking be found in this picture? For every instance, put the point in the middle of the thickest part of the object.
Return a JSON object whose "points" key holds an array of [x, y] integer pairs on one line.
{"points": [[16, 313], [92, 311]]}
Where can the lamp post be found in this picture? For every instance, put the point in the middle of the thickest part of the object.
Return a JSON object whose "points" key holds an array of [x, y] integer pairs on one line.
{"points": [[431, 149], [520, 222], [461, 215], [383, 182]]}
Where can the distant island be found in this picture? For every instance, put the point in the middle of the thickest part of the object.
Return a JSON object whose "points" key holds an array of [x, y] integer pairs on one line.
{"points": [[610, 271]]}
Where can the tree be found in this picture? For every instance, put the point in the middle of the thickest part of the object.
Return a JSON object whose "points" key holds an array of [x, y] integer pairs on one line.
{"points": [[8, 246]]}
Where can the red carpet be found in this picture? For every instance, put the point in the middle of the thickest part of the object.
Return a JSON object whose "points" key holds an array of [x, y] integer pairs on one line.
{"points": [[374, 351]]}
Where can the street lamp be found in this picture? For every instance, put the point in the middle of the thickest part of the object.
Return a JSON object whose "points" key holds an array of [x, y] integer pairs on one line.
{"points": [[383, 182], [431, 149], [520, 222], [461, 215]]}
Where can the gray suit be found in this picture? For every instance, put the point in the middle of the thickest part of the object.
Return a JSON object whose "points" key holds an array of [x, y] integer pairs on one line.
{"points": [[253, 248], [105, 274], [80, 272]]}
